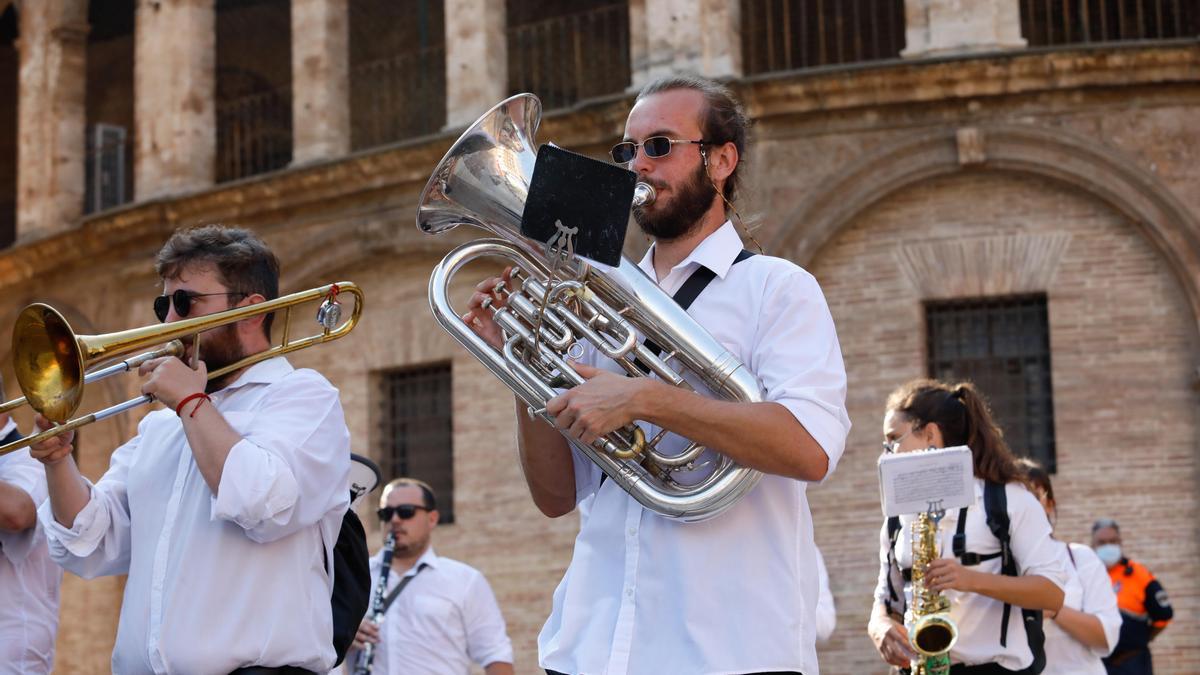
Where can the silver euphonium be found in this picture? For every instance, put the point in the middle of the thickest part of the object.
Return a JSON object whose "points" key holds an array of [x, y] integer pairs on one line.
{"points": [[553, 304]]}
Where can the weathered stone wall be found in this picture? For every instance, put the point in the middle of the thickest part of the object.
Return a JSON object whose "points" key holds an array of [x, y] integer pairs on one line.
{"points": [[831, 150]]}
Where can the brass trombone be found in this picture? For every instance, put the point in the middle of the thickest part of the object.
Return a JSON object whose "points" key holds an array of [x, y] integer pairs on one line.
{"points": [[51, 361]]}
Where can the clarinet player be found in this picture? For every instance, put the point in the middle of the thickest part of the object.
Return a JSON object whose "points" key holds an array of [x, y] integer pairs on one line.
{"points": [[438, 615]]}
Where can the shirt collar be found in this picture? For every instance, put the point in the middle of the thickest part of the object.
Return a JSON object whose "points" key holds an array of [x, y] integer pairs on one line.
{"points": [[263, 372], [716, 252], [428, 558]]}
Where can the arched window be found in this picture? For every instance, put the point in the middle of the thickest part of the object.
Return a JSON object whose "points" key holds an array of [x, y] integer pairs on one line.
{"points": [[397, 70], [254, 87], [568, 50], [108, 171], [9, 86]]}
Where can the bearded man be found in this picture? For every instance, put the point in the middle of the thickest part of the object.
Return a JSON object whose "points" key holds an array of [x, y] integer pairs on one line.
{"points": [[224, 508], [736, 593]]}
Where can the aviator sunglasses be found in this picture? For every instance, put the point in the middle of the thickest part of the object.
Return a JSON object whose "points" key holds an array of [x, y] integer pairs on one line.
{"points": [[654, 147], [183, 303], [405, 511]]}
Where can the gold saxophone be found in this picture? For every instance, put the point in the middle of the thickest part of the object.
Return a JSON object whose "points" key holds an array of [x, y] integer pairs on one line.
{"points": [[933, 632]]}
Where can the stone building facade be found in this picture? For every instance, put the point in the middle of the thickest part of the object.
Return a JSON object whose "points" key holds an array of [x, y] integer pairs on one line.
{"points": [[977, 161]]}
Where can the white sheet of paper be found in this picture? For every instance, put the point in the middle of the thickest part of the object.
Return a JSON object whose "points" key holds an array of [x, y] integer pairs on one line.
{"points": [[914, 482]]}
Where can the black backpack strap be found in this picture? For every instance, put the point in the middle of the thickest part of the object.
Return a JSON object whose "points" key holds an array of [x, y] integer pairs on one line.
{"points": [[893, 529], [967, 558], [995, 502]]}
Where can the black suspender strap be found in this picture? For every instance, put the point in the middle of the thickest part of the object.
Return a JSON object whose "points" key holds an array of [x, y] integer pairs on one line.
{"points": [[691, 289], [391, 597]]}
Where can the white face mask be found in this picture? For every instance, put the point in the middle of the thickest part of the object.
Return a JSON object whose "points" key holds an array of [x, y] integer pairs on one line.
{"points": [[1109, 554]]}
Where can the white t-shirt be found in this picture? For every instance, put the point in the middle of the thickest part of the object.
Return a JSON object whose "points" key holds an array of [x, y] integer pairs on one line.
{"points": [[1089, 590]]}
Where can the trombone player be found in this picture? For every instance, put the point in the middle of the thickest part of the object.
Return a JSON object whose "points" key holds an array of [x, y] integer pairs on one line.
{"points": [[224, 508]]}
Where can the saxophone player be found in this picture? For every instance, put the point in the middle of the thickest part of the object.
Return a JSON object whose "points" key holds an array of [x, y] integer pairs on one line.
{"points": [[997, 609], [736, 593], [444, 615]]}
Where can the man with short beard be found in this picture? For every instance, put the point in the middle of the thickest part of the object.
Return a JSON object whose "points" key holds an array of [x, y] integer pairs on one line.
{"points": [[442, 615], [736, 593], [224, 508]]}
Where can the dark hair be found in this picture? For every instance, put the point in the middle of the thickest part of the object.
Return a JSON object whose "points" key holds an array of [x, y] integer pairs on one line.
{"points": [[1036, 476], [427, 496], [242, 260], [1102, 523], [964, 419], [724, 121]]}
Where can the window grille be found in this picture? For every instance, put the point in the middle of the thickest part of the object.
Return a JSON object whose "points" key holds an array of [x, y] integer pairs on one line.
{"points": [[414, 430], [1003, 346]]}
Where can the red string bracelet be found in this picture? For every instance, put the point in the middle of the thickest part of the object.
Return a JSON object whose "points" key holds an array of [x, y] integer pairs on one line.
{"points": [[191, 397]]}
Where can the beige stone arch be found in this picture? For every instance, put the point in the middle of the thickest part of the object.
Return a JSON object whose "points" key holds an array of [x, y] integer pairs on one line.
{"points": [[1058, 155]]}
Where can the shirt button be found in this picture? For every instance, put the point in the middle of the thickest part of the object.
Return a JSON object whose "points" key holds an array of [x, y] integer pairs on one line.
{"points": [[629, 592], [633, 531]]}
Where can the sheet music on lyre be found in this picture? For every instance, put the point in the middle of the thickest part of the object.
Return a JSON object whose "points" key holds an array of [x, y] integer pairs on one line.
{"points": [[915, 482]]}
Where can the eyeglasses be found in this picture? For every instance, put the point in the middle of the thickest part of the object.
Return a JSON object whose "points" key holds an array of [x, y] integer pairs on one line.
{"points": [[890, 446], [654, 147], [405, 511], [183, 303]]}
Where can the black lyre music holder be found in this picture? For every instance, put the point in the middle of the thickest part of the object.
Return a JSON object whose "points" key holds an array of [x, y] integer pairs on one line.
{"points": [[578, 204]]}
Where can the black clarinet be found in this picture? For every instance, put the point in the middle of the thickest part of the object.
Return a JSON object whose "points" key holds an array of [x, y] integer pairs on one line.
{"points": [[367, 659]]}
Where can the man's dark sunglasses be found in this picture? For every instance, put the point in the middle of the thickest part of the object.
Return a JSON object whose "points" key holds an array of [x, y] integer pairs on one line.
{"points": [[405, 511], [183, 303], [654, 147]]}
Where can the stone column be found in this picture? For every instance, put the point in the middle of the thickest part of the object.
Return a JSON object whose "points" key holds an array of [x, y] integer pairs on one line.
{"points": [[51, 116], [320, 80], [673, 36], [940, 27], [174, 76], [476, 59]]}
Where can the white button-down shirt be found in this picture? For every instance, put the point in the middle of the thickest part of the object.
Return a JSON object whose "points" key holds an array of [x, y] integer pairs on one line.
{"points": [[738, 592], [236, 579], [979, 617], [29, 580], [1090, 591], [444, 620]]}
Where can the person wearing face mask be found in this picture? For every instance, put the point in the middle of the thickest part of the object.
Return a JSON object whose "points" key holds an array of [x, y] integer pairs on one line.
{"points": [[1085, 630], [995, 600], [1145, 608]]}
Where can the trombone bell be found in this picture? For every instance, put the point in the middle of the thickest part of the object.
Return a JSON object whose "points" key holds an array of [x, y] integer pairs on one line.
{"points": [[48, 362]]}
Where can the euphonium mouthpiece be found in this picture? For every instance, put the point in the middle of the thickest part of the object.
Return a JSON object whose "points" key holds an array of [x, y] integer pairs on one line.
{"points": [[643, 194]]}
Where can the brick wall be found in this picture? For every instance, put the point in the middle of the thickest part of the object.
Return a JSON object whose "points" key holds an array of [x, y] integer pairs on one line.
{"points": [[1123, 343]]}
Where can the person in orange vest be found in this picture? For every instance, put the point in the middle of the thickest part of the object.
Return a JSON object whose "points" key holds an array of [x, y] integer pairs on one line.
{"points": [[1145, 609]]}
